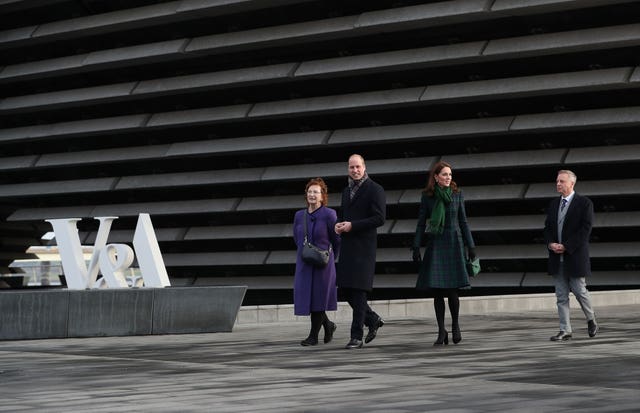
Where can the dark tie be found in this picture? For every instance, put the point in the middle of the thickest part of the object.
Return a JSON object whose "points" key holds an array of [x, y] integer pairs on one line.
{"points": [[564, 204]]}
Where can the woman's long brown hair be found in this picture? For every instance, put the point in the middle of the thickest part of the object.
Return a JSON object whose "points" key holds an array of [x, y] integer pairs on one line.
{"points": [[431, 181]]}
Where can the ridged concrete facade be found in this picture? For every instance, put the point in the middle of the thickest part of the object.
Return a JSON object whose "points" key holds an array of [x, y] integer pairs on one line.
{"points": [[211, 116]]}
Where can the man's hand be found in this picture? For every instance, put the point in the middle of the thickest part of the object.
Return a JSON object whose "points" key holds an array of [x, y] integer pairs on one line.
{"points": [[341, 227], [557, 248]]}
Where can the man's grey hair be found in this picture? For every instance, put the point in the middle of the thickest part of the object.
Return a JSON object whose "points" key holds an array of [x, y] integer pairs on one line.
{"points": [[572, 175]]}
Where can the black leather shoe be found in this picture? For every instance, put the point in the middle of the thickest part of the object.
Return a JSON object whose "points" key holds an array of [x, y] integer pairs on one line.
{"points": [[592, 328], [354, 343], [373, 330], [328, 332], [561, 336], [309, 341]]}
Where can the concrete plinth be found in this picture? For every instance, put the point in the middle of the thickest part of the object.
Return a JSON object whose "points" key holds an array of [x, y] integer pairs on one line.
{"points": [[118, 312]]}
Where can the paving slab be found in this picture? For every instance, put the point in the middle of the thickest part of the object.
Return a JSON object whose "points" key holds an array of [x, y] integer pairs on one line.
{"points": [[505, 363]]}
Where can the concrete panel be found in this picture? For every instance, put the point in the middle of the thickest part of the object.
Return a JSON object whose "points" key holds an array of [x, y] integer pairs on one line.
{"points": [[599, 278], [396, 60], [426, 15], [603, 154], [81, 127], [206, 7], [122, 236], [528, 251], [325, 104], [106, 22], [251, 143], [541, 157], [196, 310], [282, 257], [184, 179], [423, 131], [71, 97], [58, 187], [400, 166], [293, 202], [145, 53], [14, 35], [503, 279], [110, 312], [215, 258], [493, 223], [528, 86], [618, 117], [565, 42], [512, 251], [635, 76], [476, 193], [305, 172], [18, 162], [42, 68], [217, 80], [167, 207], [198, 116], [273, 36], [589, 188], [153, 208], [32, 314], [239, 232], [272, 282], [40, 214], [617, 219], [103, 155], [521, 7]]}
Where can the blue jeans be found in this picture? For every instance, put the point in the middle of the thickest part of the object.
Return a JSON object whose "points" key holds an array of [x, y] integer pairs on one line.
{"points": [[577, 285]]}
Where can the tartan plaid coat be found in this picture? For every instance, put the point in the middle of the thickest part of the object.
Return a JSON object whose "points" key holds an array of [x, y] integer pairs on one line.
{"points": [[443, 263]]}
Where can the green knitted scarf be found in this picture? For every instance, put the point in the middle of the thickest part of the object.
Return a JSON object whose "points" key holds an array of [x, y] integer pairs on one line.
{"points": [[443, 198]]}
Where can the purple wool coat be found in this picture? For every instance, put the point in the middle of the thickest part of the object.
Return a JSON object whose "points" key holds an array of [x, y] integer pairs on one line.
{"points": [[314, 289]]}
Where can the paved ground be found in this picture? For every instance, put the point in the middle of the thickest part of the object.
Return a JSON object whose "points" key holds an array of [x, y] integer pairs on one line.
{"points": [[505, 363]]}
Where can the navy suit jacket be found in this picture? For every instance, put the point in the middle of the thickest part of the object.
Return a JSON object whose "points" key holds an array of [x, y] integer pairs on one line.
{"points": [[576, 231]]}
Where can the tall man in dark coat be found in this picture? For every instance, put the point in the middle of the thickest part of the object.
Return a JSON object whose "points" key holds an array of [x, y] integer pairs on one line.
{"points": [[363, 210], [566, 232]]}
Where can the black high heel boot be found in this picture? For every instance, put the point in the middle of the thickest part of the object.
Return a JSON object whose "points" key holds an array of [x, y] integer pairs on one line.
{"points": [[457, 335], [443, 338], [329, 329]]}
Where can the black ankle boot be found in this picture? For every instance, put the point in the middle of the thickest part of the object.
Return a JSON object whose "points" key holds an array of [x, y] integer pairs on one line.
{"points": [[443, 338], [329, 329], [457, 335]]}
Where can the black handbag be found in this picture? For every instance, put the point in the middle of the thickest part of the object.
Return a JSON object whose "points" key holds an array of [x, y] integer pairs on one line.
{"points": [[312, 254]]}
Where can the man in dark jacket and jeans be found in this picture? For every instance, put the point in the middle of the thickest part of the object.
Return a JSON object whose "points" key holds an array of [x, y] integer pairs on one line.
{"points": [[362, 211], [566, 232]]}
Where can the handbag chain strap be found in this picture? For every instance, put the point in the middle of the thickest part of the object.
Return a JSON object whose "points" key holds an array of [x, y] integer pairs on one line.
{"points": [[305, 230]]}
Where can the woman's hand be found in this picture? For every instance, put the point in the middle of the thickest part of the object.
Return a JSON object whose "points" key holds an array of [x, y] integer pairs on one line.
{"points": [[416, 254]]}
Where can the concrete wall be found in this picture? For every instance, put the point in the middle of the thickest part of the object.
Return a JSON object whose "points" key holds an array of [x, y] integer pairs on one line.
{"points": [[423, 307], [118, 312]]}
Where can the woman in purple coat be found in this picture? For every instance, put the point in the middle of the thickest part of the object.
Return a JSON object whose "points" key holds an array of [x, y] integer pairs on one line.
{"points": [[314, 288]]}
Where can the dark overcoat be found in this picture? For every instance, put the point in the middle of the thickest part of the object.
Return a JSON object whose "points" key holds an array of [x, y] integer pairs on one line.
{"points": [[366, 212], [314, 289], [576, 231], [443, 264]]}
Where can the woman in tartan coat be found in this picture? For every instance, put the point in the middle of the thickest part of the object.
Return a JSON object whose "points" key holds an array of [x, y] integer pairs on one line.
{"points": [[443, 269]]}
